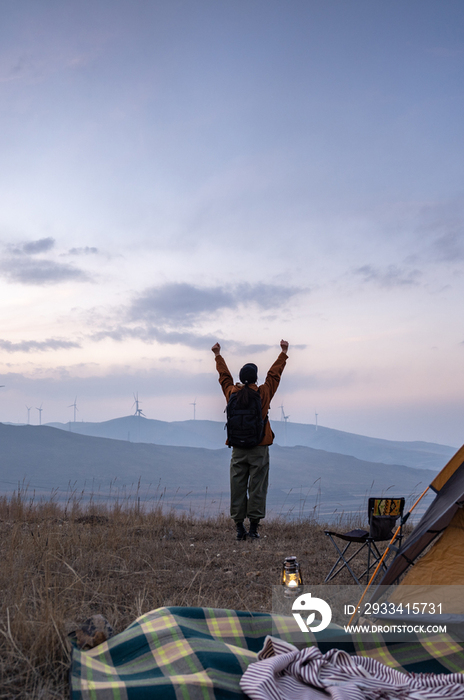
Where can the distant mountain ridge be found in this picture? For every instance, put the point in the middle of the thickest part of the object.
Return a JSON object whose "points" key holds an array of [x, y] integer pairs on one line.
{"points": [[211, 435], [41, 460]]}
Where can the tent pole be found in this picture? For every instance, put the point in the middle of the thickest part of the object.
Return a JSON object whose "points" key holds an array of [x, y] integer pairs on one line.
{"points": [[385, 554]]}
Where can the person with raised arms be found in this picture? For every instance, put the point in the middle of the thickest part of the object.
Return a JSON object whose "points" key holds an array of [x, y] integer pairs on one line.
{"points": [[249, 435]]}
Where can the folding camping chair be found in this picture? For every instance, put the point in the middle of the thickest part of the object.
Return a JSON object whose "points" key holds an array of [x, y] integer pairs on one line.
{"points": [[382, 516]]}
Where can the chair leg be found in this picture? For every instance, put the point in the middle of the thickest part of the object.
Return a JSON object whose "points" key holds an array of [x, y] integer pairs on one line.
{"points": [[368, 560], [346, 562], [329, 576], [373, 549]]}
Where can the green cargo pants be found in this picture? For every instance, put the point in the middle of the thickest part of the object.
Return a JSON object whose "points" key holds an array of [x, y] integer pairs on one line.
{"points": [[249, 478]]}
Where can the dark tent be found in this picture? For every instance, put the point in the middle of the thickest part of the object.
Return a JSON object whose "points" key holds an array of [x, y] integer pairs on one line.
{"points": [[443, 562]]}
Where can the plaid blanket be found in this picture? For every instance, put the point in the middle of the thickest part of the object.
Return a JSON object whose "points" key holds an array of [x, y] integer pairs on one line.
{"points": [[202, 653]]}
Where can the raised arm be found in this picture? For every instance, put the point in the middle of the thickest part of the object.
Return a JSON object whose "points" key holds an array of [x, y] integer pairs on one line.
{"points": [[225, 378], [269, 388]]}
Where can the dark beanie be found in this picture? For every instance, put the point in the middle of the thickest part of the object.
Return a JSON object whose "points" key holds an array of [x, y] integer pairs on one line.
{"points": [[248, 373]]}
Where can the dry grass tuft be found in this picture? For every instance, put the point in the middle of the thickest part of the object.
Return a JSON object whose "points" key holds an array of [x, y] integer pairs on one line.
{"points": [[63, 564]]}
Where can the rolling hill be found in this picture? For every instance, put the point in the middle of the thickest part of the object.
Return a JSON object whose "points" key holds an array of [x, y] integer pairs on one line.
{"points": [[211, 435], [303, 480]]}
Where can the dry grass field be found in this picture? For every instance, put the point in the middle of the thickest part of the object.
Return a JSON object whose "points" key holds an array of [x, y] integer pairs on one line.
{"points": [[60, 564]]}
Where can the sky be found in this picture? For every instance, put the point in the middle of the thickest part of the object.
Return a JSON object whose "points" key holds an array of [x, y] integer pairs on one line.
{"points": [[176, 173]]}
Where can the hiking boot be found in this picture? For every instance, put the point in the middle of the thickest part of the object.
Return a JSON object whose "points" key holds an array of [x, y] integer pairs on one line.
{"points": [[254, 534], [241, 532]]}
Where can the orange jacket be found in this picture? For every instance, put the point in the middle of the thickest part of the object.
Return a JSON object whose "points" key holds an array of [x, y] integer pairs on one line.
{"points": [[266, 390]]}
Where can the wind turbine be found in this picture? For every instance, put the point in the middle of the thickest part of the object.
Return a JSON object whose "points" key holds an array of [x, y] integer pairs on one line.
{"points": [[283, 416], [40, 413], [28, 414], [194, 405], [74, 405], [138, 410], [316, 414]]}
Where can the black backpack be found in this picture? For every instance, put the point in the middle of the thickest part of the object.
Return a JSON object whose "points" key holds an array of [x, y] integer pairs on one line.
{"points": [[245, 426]]}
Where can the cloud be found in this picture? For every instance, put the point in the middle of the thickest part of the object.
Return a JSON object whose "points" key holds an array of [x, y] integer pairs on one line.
{"points": [[449, 247], [34, 247], [266, 296], [40, 272], [175, 303], [168, 313], [150, 333], [20, 263], [388, 277], [40, 246], [87, 250], [197, 341], [38, 345]]}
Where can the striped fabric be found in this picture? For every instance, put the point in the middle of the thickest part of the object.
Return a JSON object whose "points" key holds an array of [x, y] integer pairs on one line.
{"points": [[283, 672], [202, 653]]}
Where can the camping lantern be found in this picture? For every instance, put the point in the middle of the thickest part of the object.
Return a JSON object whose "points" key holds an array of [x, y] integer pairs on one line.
{"points": [[291, 575]]}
